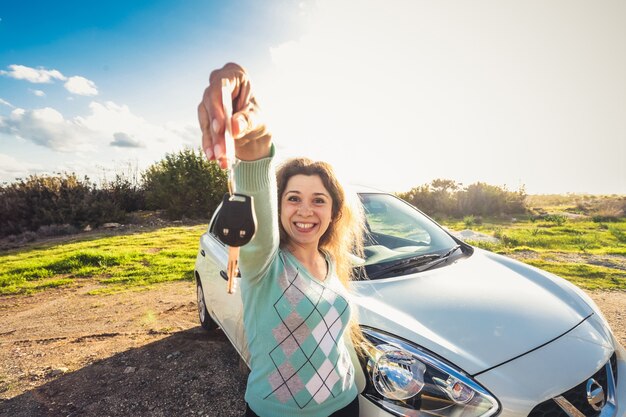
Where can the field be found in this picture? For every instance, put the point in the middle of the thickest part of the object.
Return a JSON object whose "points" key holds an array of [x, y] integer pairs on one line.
{"points": [[91, 317], [592, 255], [115, 262], [580, 239]]}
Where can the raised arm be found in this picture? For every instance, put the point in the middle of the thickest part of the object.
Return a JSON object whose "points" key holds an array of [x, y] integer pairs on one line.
{"points": [[254, 172], [258, 179]]}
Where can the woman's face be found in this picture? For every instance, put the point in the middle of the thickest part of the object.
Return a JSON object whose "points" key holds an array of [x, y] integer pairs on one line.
{"points": [[305, 210]]}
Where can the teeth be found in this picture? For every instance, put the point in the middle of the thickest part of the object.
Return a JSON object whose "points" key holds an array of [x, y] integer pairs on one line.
{"points": [[304, 225]]}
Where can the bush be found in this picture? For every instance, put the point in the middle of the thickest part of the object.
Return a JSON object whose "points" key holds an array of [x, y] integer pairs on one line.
{"points": [[435, 199], [557, 219], [43, 200], [124, 193], [57, 230], [490, 200], [447, 198], [618, 234], [185, 184], [422, 198], [469, 221]]}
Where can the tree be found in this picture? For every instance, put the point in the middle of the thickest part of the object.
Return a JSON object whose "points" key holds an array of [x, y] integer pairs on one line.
{"points": [[185, 184]]}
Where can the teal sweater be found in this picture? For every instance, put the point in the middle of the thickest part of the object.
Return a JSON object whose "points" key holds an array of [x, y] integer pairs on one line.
{"points": [[294, 323]]}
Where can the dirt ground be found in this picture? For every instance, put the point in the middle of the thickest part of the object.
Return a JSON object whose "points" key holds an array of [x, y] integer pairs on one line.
{"points": [[66, 353]]}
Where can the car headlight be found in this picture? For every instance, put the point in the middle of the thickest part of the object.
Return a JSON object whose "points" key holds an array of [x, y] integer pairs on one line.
{"points": [[406, 380]]}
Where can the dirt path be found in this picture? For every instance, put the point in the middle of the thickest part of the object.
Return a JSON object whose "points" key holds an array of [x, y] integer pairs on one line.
{"points": [[66, 353]]}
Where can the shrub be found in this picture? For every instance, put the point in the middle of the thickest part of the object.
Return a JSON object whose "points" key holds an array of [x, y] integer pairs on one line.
{"points": [[124, 193], [42, 200], [604, 219], [422, 198], [469, 221], [484, 199], [57, 230], [29, 236], [557, 219], [185, 184], [446, 198], [435, 199], [618, 234]]}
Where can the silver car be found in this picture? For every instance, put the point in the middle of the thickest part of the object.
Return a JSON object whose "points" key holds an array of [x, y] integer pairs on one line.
{"points": [[458, 331]]}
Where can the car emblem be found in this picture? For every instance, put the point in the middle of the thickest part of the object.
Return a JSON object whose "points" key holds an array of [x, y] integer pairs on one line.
{"points": [[595, 394]]}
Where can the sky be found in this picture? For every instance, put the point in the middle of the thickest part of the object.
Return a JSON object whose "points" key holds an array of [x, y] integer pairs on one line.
{"points": [[393, 93]]}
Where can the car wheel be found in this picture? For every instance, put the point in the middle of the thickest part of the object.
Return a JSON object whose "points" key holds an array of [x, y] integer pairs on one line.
{"points": [[206, 321]]}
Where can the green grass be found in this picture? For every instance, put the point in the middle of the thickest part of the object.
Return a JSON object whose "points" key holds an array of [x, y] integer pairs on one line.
{"points": [[137, 261], [116, 262], [554, 240], [573, 235], [587, 276]]}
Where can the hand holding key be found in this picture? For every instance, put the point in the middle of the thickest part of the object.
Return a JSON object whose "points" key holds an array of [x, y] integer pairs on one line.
{"points": [[229, 114], [235, 223], [252, 138]]}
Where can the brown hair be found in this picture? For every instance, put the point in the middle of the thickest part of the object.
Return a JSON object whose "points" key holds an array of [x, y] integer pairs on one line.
{"points": [[345, 232]]}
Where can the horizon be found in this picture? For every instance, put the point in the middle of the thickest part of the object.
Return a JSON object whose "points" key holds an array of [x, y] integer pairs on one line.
{"points": [[392, 94]]}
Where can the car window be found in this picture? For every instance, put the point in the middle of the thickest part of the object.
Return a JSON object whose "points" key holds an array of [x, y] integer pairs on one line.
{"points": [[385, 217], [396, 230], [212, 223]]}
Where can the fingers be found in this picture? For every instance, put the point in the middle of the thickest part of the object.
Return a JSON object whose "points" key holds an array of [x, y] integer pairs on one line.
{"points": [[244, 122], [211, 117], [253, 140], [205, 127], [211, 112]]}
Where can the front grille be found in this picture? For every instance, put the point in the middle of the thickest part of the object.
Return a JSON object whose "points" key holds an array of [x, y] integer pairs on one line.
{"points": [[577, 396]]}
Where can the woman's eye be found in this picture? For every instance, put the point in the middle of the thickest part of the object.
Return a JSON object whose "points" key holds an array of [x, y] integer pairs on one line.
{"points": [[319, 201], [293, 198]]}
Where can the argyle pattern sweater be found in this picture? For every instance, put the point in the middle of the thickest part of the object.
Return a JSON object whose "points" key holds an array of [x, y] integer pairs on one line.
{"points": [[294, 323]]}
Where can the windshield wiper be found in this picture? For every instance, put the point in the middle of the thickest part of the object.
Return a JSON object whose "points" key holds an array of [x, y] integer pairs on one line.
{"points": [[423, 262], [441, 259]]}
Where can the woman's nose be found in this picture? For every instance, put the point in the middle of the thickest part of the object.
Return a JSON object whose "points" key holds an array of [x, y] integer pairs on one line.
{"points": [[305, 210]]}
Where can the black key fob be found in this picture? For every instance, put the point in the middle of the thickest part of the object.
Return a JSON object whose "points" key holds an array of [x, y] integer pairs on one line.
{"points": [[235, 223]]}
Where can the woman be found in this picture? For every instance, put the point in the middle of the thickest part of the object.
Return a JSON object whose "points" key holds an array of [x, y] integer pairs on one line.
{"points": [[294, 270]]}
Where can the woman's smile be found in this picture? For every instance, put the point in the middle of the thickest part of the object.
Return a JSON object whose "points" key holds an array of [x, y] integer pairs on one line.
{"points": [[304, 227], [305, 210]]}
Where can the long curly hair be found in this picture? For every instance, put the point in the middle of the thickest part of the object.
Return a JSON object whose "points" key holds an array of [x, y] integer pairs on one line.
{"points": [[344, 237]]}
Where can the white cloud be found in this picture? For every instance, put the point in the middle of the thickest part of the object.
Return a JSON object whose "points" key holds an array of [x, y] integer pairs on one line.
{"points": [[81, 86], [123, 140], [110, 118], [46, 127], [6, 103], [33, 75], [75, 84], [38, 93], [12, 168]]}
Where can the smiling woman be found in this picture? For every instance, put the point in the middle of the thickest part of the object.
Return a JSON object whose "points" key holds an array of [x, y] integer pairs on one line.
{"points": [[294, 271]]}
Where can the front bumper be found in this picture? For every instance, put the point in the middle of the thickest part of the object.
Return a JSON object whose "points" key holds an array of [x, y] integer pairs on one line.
{"points": [[542, 375]]}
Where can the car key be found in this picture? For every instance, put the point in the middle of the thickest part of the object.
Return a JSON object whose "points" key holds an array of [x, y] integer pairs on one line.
{"points": [[235, 223], [235, 226]]}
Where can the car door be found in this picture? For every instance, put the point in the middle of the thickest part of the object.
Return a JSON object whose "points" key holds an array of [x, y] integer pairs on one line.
{"points": [[225, 308]]}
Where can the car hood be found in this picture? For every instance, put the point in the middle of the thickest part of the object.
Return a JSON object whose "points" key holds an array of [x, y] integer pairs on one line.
{"points": [[477, 313]]}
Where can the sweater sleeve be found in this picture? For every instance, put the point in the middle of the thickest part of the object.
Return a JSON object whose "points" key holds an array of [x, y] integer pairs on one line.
{"points": [[258, 180]]}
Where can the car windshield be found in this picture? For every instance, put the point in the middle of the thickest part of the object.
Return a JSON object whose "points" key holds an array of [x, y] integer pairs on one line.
{"points": [[400, 239]]}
